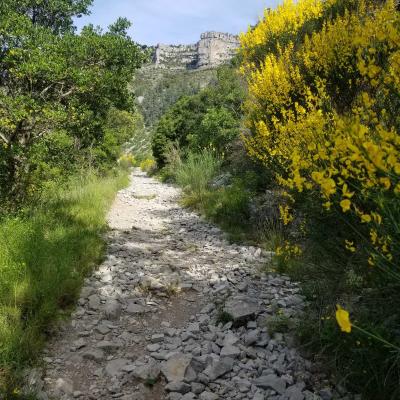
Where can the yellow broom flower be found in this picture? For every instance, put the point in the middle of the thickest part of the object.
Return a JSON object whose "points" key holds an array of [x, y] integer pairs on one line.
{"points": [[343, 320], [345, 204]]}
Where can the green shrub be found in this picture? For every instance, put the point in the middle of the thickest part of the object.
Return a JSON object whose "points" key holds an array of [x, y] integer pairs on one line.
{"points": [[195, 173], [127, 161], [210, 118], [148, 165], [229, 206]]}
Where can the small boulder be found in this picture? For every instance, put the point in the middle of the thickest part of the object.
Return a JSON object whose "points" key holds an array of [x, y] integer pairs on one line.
{"points": [[208, 396], [64, 386], [112, 310], [241, 309], [179, 387], [230, 351], [94, 355], [174, 369], [271, 381], [115, 367], [134, 308], [150, 371], [94, 302], [219, 368]]}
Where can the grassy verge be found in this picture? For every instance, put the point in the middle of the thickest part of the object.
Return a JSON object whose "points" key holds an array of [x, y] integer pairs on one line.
{"points": [[45, 253], [226, 205]]}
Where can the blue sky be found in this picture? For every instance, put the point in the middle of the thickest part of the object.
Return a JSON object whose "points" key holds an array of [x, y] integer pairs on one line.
{"points": [[177, 21]]}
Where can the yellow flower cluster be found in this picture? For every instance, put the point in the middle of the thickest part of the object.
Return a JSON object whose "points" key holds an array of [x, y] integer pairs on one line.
{"points": [[286, 216], [288, 251], [147, 165], [126, 161], [287, 19], [323, 109], [343, 319]]}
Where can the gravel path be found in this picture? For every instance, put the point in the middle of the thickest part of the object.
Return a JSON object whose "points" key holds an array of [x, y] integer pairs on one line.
{"points": [[176, 312]]}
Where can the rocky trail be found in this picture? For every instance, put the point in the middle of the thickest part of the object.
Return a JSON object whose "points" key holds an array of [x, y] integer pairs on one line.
{"points": [[177, 312]]}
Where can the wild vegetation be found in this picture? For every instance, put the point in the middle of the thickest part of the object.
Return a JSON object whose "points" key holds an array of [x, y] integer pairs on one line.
{"points": [[294, 146], [207, 119], [57, 91], [45, 254], [158, 89], [65, 113], [320, 127]]}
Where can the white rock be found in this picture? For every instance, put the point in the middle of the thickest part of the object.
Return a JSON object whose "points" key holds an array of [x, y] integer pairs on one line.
{"points": [[64, 386], [175, 367], [112, 310]]}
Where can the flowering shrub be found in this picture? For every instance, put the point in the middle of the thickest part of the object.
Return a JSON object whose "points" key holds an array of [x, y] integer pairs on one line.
{"points": [[127, 161], [322, 114], [147, 165]]}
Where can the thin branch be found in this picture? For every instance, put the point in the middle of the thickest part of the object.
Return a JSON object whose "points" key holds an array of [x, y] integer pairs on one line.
{"points": [[66, 94], [4, 138]]}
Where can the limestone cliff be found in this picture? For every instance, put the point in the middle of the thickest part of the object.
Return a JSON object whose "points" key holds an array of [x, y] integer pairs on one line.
{"points": [[213, 49]]}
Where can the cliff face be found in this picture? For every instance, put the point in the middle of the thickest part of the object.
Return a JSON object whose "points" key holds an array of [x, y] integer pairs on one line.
{"points": [[211, 50]]}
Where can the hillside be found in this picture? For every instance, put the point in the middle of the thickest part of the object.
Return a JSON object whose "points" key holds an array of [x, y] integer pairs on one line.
{"points": [[175, 71], [157, 89], [179, 70]]}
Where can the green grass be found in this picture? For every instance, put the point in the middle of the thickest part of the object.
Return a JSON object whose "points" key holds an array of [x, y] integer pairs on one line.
{"points": [[45, 253], [195, 173], [229, 206]]}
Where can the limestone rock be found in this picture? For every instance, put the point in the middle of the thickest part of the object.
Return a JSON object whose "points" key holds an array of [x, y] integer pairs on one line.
{"points": [[174, 369], [149, 371], [213, 49], [134, 308], [115, 367], [94, 355], [94, 302], [241, 308], [208, 396], [271, 381], [180, 387], [219, 368], [112, 310], [64, 386], [230, 351]]}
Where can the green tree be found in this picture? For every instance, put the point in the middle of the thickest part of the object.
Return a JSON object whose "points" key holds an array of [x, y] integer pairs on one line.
{"points": [[52, 82], [53, 14], [210, 118]]}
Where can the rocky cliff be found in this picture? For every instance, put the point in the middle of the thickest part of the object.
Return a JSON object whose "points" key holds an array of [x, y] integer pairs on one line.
{"points": [[213, 49]]}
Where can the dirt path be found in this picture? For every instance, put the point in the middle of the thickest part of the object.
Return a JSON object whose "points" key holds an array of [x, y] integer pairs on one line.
{"points": [[176, 312]]}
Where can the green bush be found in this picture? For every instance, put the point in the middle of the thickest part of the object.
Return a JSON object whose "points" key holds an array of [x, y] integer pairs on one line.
{"points": [[195, 173], [127, 161], [209, 119], [229, 206]]}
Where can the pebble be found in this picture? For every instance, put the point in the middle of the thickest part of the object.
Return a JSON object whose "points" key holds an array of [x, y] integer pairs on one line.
{"points": [[210, 341]]}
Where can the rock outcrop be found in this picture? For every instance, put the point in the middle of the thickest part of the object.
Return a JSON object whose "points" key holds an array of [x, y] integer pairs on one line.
{"points": [[212, 50]]}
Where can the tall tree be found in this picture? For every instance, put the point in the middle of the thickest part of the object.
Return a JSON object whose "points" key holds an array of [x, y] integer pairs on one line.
{"points": [[54, 79], [53, 14]]}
